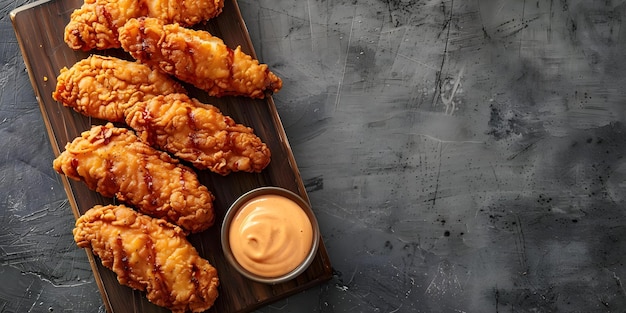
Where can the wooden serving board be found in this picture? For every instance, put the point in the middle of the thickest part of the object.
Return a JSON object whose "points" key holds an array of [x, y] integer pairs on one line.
{"points": [[39, 28]]}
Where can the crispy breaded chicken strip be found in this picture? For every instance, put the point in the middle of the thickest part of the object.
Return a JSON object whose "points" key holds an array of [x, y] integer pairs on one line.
{"points": [[150, 255], [117, 90], [198, 58], [198, 133], [115, 162], [103, 87], [95, 24]]}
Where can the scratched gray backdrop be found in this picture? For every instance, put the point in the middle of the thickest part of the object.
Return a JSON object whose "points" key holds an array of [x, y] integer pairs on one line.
{"points": [[461, 156]]}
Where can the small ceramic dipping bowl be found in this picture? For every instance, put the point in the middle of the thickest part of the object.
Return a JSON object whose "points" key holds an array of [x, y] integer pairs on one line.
{"points": [[270, 235]]}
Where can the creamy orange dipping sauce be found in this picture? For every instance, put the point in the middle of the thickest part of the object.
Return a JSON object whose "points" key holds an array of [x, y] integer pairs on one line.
{"points": [[270, 235]]}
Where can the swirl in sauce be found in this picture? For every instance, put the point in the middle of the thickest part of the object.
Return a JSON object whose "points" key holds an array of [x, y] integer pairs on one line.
{"points": [[270, 235]]}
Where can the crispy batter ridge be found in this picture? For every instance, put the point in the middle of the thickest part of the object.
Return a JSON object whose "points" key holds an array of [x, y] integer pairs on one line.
{"points": [[95, 24], [103, 87], [198, 133], [115, 162], [197, 57], [150, 255]]}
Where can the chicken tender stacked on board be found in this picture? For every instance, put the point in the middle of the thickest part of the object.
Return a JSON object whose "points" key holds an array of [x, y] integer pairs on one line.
{"points": [[150, 255], [198, 133], [154, 105], [95, 24], [103, 87], [115, 162], [197, 57]]}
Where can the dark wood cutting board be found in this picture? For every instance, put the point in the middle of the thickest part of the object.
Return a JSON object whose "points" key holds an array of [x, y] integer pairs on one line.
{"points": [[39, 28]]}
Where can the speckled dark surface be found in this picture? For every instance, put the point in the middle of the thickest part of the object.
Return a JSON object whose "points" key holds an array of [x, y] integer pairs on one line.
{"points": [[461, 156]]}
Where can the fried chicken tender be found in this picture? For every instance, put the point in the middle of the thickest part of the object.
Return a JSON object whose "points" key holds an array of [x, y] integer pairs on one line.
{"points": [[95, 24], [198, 133], [198, 58], [115, 162], [103, 87], [150, 255]]}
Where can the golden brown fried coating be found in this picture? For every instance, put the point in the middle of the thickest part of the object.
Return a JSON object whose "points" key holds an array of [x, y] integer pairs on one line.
{"points": [[197, 57], [198, 133], [103, 87], [150, 255], [95, 24], [115, 162], [187, 13]]}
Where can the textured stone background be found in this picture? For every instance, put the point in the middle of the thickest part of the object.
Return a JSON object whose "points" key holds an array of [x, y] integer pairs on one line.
{"points": [[461, 156]]}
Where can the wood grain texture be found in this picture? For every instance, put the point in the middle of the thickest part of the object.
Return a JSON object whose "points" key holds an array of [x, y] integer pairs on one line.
{"points": [[39, 28]]}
